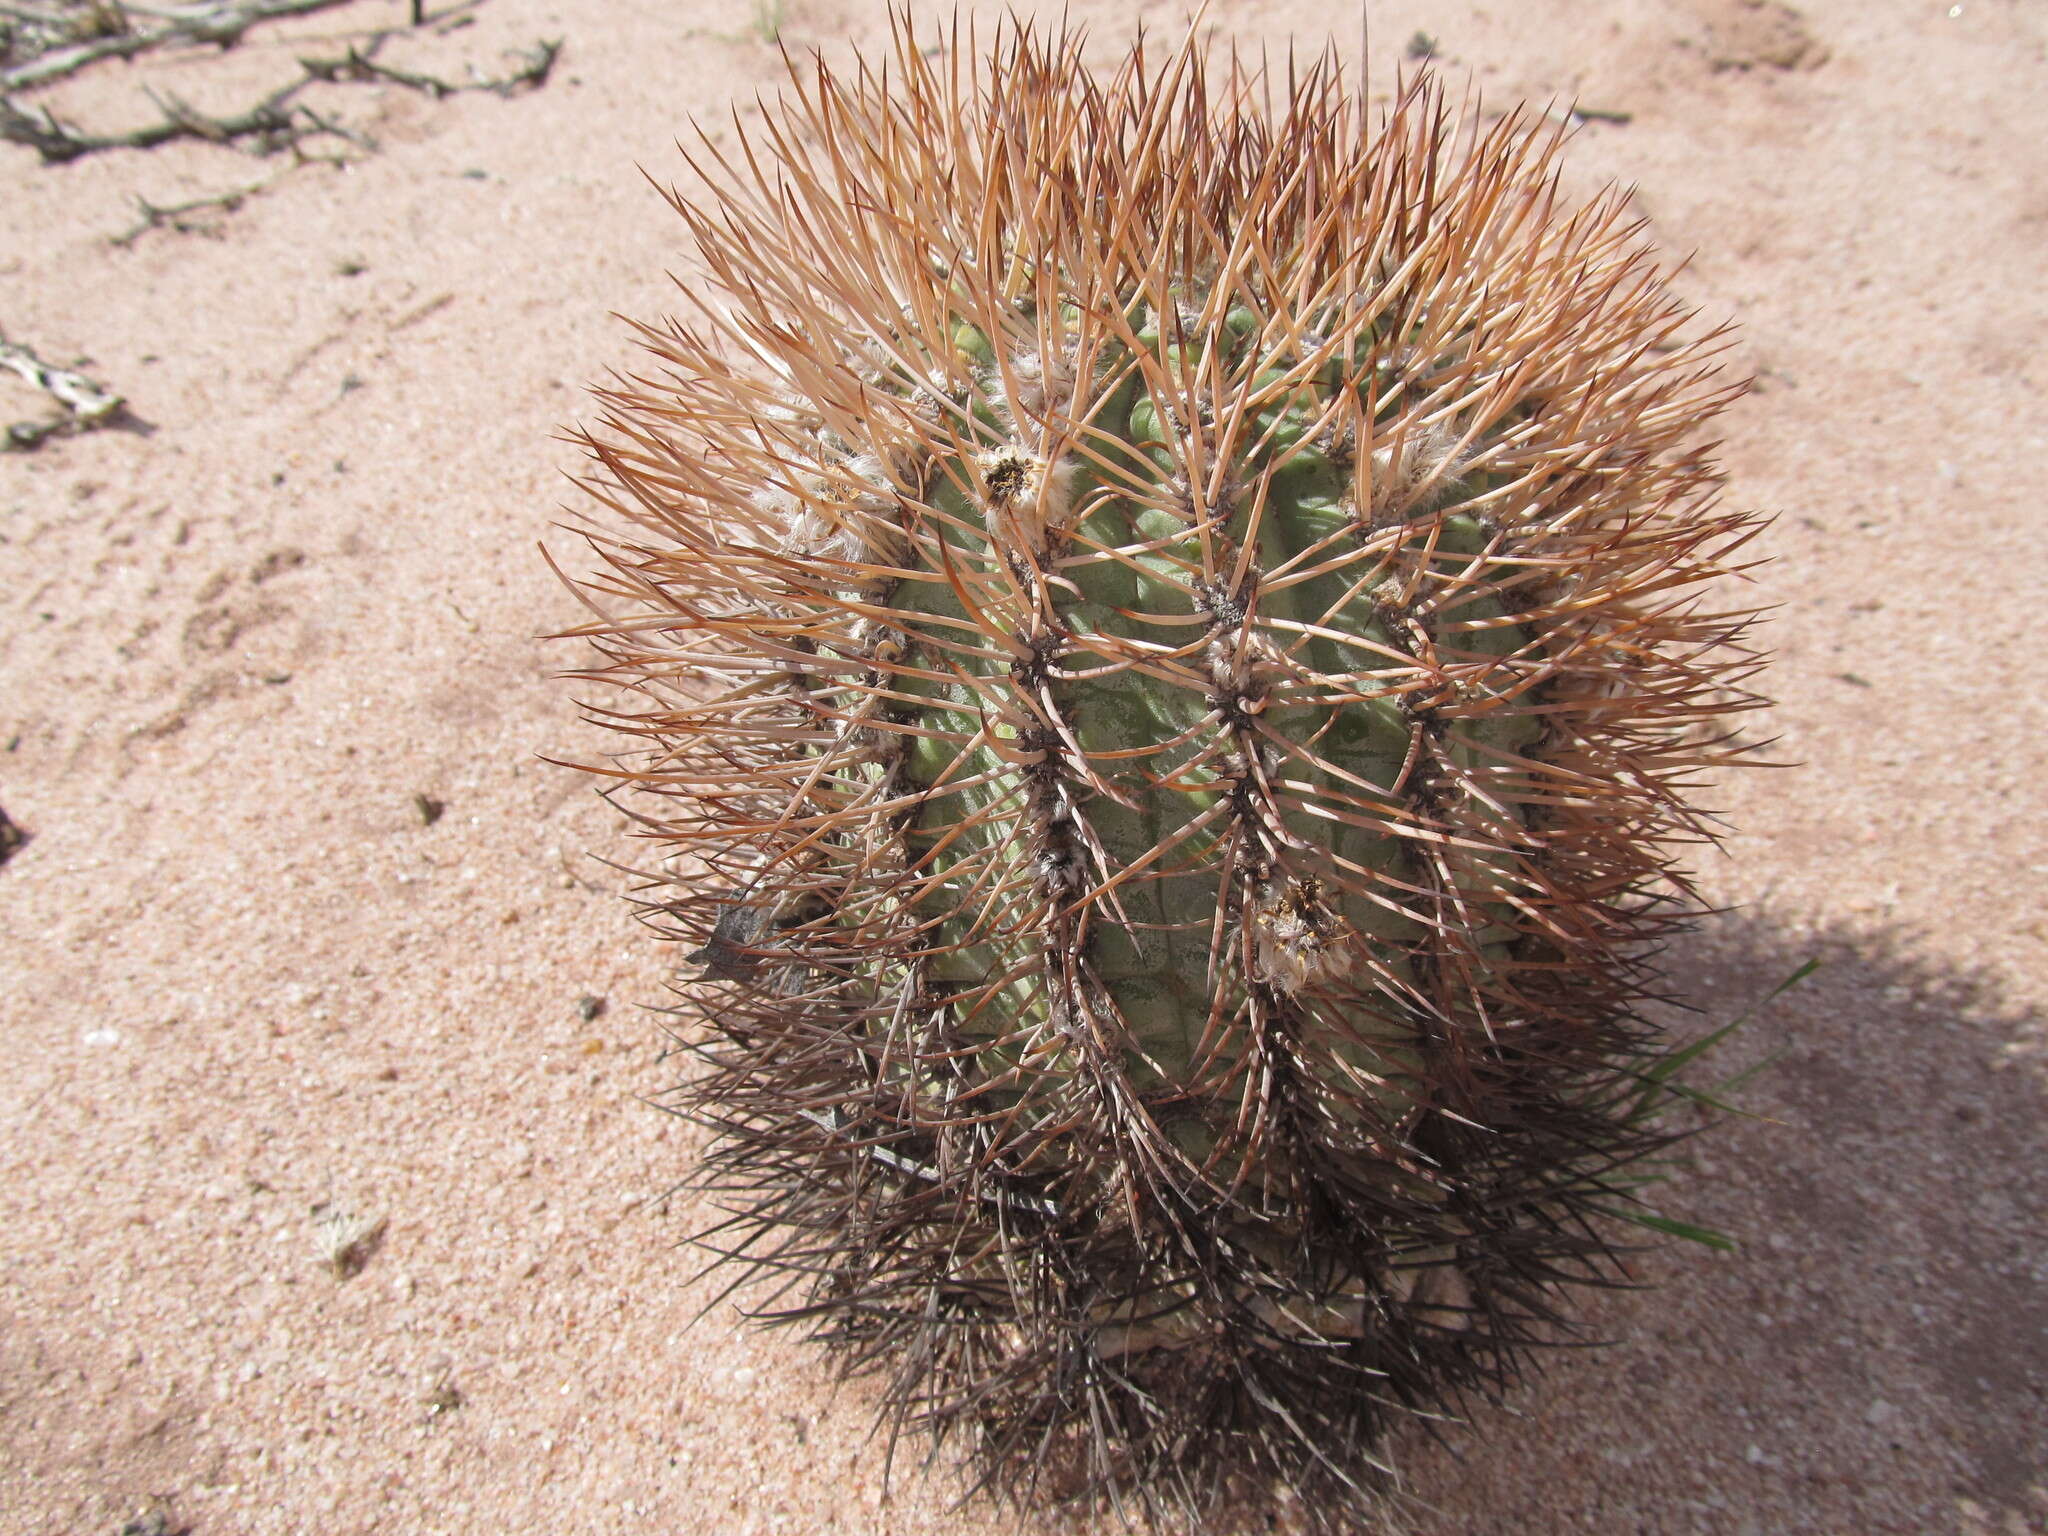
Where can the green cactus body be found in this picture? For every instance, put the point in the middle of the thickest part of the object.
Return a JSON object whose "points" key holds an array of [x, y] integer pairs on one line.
{"points": [[1171, 679], [1163, 748], [1166, 749]]}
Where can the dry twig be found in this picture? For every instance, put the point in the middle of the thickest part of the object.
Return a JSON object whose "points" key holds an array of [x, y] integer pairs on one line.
{"points": [[360, 64], [278, 121], [86, 405], [178, 216], [62, 43]]}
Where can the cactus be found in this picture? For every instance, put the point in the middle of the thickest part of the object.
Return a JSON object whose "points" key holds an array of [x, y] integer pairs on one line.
{"points": [[1168, 638]]}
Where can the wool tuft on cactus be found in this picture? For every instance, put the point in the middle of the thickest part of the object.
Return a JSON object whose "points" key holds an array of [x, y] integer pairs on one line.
{"points": [[1168, 621]]}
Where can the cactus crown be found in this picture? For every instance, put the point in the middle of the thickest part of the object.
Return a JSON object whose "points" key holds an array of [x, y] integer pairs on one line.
{"points": [[1166, 620]]}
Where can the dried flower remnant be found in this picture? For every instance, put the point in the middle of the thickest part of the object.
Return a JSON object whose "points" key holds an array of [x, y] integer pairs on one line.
{"points": [[346, 1239]]}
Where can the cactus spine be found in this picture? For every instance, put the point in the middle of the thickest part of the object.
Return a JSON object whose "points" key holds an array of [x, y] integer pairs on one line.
{"points": [[1170, 640]]}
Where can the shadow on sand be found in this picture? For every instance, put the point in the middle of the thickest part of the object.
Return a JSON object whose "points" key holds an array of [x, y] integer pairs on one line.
{"points": [[1874, 1355]]}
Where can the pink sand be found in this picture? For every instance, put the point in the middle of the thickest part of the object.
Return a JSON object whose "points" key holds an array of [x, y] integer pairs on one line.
{"points": [[240, 979]]}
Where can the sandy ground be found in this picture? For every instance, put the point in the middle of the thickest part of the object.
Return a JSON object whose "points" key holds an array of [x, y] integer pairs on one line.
{"points": [[249, 994]]}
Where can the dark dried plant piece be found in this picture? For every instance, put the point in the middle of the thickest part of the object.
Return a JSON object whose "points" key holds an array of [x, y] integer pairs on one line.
{"points": [[12, 838], [87, 405]]}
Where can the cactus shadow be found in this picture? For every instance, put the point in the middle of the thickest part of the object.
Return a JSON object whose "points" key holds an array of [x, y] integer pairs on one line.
{"points": [[1875, 1354]]}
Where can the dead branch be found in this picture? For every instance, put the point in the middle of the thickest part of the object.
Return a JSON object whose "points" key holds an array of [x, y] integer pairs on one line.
{"points": [[276, 122], [361, 64], [222, 23], [178, 216], [57, 142], [86, 405], [62, 38]]}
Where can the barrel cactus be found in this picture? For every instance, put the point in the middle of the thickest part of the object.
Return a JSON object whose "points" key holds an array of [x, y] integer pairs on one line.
{"points": [[1166, 626]]}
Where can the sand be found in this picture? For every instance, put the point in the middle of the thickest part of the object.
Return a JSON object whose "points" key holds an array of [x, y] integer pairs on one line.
{"points": [[255, 1003]]}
